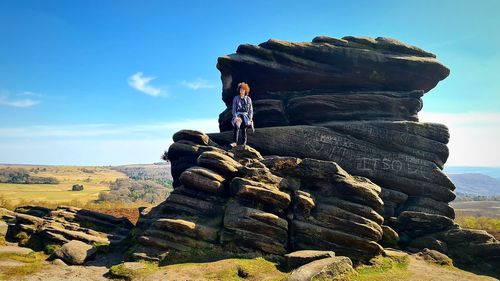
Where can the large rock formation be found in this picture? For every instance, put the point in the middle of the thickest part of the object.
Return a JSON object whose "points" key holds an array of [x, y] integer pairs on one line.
{"points": [[236, 200], [354, 101], [338, 161]]}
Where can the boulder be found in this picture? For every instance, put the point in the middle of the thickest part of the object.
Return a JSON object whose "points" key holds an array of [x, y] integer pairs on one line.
{"points": [[245, 151], [191, 135], [202, 179], [390, 238], [259, 192], [436, 257], [218, 162], [332, 268], [75, 252], [418, 224], [299, 258]]}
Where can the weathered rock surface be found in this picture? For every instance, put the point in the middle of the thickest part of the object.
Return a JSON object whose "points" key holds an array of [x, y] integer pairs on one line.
{"points": [[75, 252], [352, 101], [347, 64], [333, 268], [235, 199], [299, 258], [467, 247], [64, 224]]}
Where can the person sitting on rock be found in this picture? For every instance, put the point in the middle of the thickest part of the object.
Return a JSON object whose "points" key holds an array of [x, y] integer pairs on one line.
{"points": [[242, 113]]}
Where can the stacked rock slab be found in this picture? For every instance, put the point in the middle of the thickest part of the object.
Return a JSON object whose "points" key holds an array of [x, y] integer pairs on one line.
{"points": [[353, 101], [331, 209], [234, 199], [191, 217], [37, 227]]}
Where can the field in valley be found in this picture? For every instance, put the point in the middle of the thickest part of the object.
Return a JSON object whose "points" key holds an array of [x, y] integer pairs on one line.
{"points": [[479, 215], [94, 180]]}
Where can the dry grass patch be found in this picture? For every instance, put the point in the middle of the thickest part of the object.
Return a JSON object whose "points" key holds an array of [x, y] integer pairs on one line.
{"points": [[33, 262]]}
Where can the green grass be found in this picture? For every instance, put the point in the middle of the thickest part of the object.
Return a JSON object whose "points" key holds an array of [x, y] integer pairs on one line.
{"points": [[383, 269], [227, 269], [485, 223], [129, 274], [33, 263]]}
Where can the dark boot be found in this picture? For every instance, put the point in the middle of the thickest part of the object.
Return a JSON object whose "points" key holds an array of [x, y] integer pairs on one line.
{"points": [[244, 134], [236, 130]]}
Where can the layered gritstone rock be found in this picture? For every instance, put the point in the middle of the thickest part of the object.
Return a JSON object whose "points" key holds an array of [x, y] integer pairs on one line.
{"points": [[343, 65], [332, 209], [352, 101], [37, 227], [234, 199]]}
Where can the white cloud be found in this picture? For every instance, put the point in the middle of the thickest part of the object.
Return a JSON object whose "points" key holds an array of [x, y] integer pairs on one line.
{"points": [[7, 100], [197, 84], [93, 144], [473, 137], [142, 83], [109, 130]]}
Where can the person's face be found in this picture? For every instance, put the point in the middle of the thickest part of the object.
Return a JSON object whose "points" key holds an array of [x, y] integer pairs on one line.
{"points": [[242, 91]]}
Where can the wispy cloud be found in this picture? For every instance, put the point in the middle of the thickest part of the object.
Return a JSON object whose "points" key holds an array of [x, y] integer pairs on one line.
{"points": [[109, 130], [94, 144], [197, 84], [142, 83], [7, 100], [473, 136]]}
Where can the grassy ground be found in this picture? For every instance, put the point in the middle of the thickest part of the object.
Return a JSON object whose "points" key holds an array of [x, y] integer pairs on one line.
{"points": [[227, 269], [411, 268], [32, 263]]}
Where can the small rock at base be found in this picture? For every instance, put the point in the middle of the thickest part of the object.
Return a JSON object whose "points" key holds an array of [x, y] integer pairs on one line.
{"points": [[75, 252], [299, 258], [333, 268]]}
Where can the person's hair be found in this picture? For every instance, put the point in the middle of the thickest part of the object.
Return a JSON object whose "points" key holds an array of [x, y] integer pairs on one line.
{"points": [[244, 86]]}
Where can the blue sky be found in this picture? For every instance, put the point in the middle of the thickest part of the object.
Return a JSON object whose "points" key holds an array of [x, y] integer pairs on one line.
{"points": [[108, 82]]}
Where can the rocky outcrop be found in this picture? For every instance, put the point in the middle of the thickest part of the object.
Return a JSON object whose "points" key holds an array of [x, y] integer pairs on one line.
{"points": [[234, 199], [348, 64], [475, 249], [346, 101], [352, 101], [64, 224]]}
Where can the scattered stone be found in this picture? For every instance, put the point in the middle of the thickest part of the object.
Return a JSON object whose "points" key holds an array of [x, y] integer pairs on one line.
{"points": [[299, 258], [75, 252], [191, 135], [59, 262], [390, 238], [333, 268], [436, 257]]}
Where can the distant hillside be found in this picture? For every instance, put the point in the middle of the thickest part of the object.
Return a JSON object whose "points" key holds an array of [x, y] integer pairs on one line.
{"points": [[493, 172], [476, 184], [157, 172]]}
